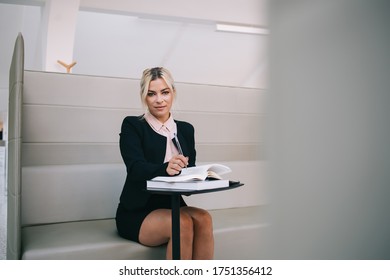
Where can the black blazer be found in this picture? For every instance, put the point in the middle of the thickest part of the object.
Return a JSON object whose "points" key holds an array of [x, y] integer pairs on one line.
{"points": [[143, 152]]}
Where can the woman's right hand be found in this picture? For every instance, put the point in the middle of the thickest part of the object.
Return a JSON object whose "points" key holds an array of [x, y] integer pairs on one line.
{"points": [[176, 164]]}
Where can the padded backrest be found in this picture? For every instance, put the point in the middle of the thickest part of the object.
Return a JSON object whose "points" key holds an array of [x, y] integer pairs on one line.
{"points": [[72, 168], [14, 149]]}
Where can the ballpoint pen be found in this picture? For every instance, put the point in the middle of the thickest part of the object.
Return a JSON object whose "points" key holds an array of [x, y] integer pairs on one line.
{"points": [[178, 145]]}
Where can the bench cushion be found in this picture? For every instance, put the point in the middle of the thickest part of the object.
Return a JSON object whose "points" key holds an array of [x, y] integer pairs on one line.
{"points": [[91, 240], [236, 232]]}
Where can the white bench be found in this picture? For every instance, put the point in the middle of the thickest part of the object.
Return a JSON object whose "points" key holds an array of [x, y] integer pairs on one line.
{"points": [[66, 183]]}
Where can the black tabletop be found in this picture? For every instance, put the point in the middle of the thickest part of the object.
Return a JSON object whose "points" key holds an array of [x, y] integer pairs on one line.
{"points": [[232, 185]]}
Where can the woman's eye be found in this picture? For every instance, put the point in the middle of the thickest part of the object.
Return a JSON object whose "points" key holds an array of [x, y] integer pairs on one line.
{"points": [[151, 93], [165, 92]]}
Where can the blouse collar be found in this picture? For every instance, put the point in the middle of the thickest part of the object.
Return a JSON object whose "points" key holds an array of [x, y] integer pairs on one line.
{"points": [[158, 126]]}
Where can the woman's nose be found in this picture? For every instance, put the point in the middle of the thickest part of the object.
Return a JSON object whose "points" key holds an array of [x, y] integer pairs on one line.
{"points": [[160, 98]]}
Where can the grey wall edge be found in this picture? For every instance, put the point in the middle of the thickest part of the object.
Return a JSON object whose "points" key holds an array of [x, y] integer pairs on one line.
{"points": [[16, 76]]}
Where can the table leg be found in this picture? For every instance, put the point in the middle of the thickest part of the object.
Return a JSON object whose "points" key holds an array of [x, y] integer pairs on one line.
{"points": [[175, 226]]}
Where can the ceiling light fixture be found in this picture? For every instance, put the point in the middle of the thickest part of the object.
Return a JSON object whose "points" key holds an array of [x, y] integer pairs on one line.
{"points": [[242, 29]]}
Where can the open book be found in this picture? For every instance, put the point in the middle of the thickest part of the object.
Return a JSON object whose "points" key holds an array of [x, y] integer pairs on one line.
{"points": [[193, 178], [197, 173]]}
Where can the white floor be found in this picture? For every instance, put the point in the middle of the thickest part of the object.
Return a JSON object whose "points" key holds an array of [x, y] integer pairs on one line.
{"points": [[3, 205]]}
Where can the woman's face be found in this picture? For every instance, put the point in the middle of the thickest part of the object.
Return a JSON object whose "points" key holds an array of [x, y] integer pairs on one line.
{"points": [[159, 99]]}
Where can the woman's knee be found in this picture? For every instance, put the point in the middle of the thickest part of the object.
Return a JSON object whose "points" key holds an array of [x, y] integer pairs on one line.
{"points": [[203, 218], [186, 224]]}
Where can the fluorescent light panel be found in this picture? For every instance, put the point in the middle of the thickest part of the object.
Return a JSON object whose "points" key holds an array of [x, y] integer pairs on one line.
{"points": [[242, 29]]}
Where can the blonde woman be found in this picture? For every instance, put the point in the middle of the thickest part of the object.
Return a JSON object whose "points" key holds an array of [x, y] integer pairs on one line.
{"points": [[148, 151]]}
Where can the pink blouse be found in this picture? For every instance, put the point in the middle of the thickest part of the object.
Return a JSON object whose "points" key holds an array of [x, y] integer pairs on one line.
{"points": [[167, 129]]}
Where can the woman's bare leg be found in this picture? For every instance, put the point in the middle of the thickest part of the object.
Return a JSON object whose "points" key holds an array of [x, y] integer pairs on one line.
{"points": [[203, 244], [156, 230]]}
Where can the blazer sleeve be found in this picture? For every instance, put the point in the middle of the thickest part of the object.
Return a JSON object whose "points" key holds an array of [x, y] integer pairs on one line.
{"points": [[132, 138]]}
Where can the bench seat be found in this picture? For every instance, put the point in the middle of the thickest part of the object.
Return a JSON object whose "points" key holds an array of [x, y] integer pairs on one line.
{"points": [[98, 239]]}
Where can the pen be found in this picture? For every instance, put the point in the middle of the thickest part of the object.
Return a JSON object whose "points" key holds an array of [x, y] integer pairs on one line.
{"points": [[178, 145]]}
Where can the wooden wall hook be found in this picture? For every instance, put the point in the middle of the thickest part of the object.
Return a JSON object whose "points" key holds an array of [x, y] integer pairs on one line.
{"points": [[67, 66]]}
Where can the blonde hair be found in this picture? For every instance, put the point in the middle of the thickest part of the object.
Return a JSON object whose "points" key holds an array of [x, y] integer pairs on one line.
{"points": [[152, 74]]}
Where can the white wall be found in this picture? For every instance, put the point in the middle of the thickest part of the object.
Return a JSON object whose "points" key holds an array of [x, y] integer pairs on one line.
{"points": [[194, 52]]}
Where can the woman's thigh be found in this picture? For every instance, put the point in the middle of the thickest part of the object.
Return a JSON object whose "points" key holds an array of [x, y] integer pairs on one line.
{"points": [[156, 228]]}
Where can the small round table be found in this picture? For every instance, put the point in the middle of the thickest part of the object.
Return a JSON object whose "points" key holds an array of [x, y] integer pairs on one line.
{"points": [[175, 203]]}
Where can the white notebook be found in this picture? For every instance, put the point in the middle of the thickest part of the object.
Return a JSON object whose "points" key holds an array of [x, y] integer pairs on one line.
{"points": [[188, 185]]}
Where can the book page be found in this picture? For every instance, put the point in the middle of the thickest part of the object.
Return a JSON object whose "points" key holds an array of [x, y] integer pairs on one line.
{"points": [[219, 169], [213, 175]]}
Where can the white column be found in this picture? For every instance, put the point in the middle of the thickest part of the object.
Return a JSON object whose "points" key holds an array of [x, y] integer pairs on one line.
{"points": [[58, 33]]}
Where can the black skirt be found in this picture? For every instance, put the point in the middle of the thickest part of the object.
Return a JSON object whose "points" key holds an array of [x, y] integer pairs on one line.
{"points": [[129, 221]]}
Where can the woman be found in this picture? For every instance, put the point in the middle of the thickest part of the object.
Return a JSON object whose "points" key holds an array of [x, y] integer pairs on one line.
{"points": [[148, 151]]}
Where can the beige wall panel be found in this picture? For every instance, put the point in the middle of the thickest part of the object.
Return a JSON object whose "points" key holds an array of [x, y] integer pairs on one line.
{"points": [[225, 128], [47, 88], [208, 98], [229, 152], [35, 154], [92, 192], [106, 92], [71, 124]]}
